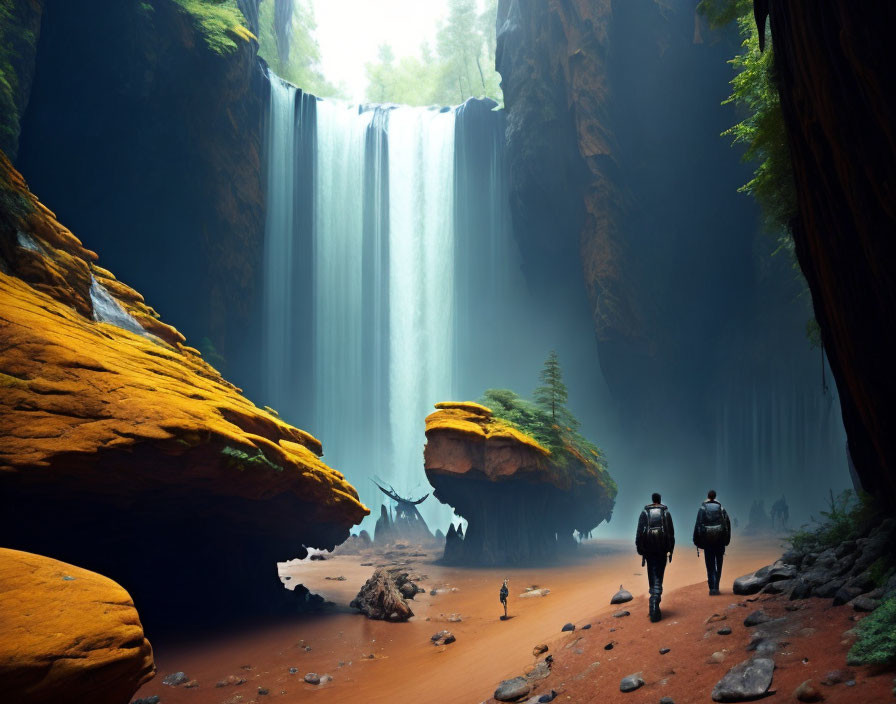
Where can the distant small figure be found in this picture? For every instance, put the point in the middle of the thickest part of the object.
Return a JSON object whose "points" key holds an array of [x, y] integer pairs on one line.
{"points": [[504, 593], [655, 541], [712, 533], [780, 513]]}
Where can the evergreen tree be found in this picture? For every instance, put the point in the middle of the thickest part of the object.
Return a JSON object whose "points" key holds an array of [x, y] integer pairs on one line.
{"points": [[552, 394]]}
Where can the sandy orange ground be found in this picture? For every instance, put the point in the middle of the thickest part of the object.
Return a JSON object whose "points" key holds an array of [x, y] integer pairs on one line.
{"points": [[406, 666]]}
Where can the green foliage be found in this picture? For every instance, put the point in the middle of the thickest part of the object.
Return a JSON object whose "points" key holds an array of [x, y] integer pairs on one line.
{"points": [[848, 516], [18, 40], [882, 569], [220, 22], [876, 644], [240, 459], [461, 67], [551, 396], [299, 63]]}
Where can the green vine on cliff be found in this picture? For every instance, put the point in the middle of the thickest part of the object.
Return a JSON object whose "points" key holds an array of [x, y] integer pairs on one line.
{"points": [[220, 22]]}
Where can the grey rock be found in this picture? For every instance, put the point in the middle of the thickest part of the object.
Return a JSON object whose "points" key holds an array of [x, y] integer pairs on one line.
{"points": [[513, 689], [539, 672], [845, 594], [757, 617], [845, 548], [312, 678], [793, 557], [751, 583], [622, 614], [807, 692], [745, 682], [865, 604], [801, 590], [621, 596], [781, 570], [724, 631], [547, 697], [779, 587], [631, 682], [568, 627], [153, 699], [293, 670], [829, 589], [263, 691], [586, 626], [175, 679], [442, 638], [667, 700], [663, 651], [837, 676]]}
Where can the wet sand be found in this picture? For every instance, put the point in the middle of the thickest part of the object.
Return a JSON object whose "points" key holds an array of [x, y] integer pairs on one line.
{"points": [[406, 666]]}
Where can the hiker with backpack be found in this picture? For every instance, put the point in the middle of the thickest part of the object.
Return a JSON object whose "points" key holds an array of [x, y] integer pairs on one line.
{"points": [[655, 542], [712, 533]]}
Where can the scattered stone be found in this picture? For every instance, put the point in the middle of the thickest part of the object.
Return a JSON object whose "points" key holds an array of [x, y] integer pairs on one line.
{"points": [[539, 649], [312, 678], [230, 680], [663, 651], [622, 614], [724, 631], [175, 679], [192, 684], [442, 638], [568, 627], [539, 672], [245, 667], [757, 617], [263, 690], [510, 690], [837, 676], [631, 682], [547, 697], [807, 693], [715, 618], [293, 670], [324, 679], [621, 596], [717, 658], [586, 626], [865, 604], [530, 593], [745, 681], [154, 699], [454, 618], [609, 646], [340, 578], [667, 700]]}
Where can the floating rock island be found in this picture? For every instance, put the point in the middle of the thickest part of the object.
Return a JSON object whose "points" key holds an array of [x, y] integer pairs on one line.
{"points": [[521, 500]]}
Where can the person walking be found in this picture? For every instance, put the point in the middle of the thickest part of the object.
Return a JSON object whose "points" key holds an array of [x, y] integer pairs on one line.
{"points": [[503, 597], [655, 542], [712, 533]]}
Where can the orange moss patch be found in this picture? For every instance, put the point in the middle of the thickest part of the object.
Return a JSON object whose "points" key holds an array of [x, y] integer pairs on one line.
{"points": [[475, 421], [67, 634]]}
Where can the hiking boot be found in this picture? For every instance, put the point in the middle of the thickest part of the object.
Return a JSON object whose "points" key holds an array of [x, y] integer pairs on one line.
{"points": [[655, 614]]}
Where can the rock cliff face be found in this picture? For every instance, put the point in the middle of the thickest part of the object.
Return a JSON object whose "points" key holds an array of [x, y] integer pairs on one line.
{"points": [[126, 453], [145, 130], [839, 105], [68, 634], [519, 503]]}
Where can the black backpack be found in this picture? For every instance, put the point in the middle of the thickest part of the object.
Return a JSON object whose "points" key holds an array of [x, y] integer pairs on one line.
{"points": [[654, 539], [713, 527]]}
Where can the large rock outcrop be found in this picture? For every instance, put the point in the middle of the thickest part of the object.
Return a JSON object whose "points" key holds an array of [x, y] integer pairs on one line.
{"points": [[123, 451], [839, 103], [521, 504], [156, 131], [68, 634]]}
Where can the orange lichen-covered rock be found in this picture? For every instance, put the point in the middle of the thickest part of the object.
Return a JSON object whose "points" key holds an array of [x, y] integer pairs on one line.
{"points": [[67, 634], [521, 502], [118, 435]]}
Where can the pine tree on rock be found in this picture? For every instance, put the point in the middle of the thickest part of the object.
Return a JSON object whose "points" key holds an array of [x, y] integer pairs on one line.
{"points": [[552, 394]]}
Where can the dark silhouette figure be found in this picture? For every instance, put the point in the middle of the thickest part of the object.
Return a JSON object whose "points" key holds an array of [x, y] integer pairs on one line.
{"points": [[655, 542], [780, 513], [712, 533], [504, 593]]}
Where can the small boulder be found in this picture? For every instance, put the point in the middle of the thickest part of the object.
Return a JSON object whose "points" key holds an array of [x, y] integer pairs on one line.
{"points": [[621, 614], [663, 651], [442, 638], [568, 627], [175, 679], [716, 658], [512, 689], [865, 604], [724, 631], [756, 617], [539, 649], [621, 596], [312, 678], [746, 681], [631, 682], [807, 693], [837, 676]]}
